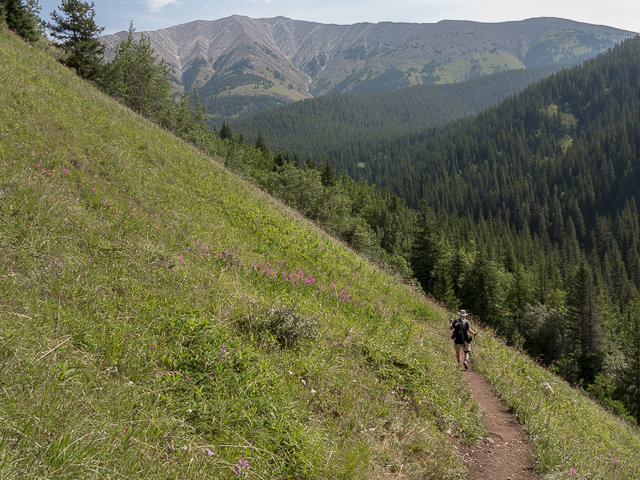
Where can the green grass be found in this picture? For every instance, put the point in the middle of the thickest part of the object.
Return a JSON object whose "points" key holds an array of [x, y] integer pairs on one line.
{"points": [[137, 279]]}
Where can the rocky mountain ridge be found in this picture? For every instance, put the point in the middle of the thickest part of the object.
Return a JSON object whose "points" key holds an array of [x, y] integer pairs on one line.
{"points": [[287, 59]]}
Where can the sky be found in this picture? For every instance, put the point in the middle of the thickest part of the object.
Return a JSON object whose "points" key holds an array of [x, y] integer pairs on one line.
{"points": [[115, 15]]}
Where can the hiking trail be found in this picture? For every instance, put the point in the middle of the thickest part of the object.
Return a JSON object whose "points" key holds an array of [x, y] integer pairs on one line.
{"points": [[505, 454]]}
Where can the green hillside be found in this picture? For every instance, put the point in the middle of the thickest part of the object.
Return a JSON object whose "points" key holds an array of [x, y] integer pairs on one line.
{"points": [[155, 308], [161, 318], [333, 124]]}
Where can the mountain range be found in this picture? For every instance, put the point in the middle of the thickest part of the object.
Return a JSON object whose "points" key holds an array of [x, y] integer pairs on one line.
{"points": [[241, 65]]}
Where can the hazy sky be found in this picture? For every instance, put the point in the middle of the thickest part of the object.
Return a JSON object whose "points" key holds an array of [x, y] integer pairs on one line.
{"points": [[115, 15]]}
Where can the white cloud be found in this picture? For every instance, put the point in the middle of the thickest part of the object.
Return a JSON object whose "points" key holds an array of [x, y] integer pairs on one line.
{"points": [[157, 5]]}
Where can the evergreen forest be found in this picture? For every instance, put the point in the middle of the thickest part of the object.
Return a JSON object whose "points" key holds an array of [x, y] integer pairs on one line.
{"points": [[341, 125]]}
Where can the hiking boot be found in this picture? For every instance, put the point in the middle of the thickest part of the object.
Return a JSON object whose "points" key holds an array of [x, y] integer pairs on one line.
{"points": [[466, 365]]}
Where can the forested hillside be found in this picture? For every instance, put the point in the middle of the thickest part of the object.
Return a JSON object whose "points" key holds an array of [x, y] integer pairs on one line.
{"points": [[537, 225], [338, 125]]}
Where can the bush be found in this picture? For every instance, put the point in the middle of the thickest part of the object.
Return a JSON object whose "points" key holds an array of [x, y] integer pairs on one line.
{"points": [[288, 328]]}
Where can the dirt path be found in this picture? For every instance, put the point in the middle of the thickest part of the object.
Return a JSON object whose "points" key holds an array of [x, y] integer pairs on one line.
{"points": [[505, 455]]}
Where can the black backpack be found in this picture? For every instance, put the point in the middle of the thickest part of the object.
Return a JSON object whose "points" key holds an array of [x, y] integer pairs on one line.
{"points": [[459, 332]]}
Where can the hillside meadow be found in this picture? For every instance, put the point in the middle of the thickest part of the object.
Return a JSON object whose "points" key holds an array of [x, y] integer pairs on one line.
{"points": [[162, 318]]}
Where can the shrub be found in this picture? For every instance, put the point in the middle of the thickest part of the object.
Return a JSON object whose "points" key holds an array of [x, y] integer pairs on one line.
{"points": [[288, 328]]}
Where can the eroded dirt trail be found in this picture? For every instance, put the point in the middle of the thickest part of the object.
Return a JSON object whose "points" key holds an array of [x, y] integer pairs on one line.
{"points": [[506, 453]]}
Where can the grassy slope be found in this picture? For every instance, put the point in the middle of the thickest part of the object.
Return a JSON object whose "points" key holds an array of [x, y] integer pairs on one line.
{"points": [[133, 279]]}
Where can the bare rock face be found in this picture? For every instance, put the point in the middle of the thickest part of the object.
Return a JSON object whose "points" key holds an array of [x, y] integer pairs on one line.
{"points": [[243, 64]]}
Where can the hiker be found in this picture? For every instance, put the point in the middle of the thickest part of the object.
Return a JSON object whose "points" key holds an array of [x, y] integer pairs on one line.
{"points": [[461, 338]]}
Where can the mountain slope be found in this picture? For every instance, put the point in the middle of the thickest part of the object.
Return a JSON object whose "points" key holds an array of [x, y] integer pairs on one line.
{"points": [[578, 122], [236, 61], [331, 124], [163, 319]]}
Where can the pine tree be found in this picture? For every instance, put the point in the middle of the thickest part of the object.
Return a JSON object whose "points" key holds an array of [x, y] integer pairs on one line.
{"points": [[77, 35], [459, 268], [197, 115], [519, 293], [139, 80], [443, 287], [482, 291], [327, 173], [631, 350], [260, 145], [310, 163], [583, 326], [278, 161], [22, 18], [225, 132], [427, 248]]}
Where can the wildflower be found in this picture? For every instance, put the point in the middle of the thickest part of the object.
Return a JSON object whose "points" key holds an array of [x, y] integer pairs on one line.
{"points": [[210, 452], [242, 463], [573, 471]]}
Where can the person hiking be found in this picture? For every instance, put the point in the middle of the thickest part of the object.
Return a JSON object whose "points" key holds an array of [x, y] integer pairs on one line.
{"points": [[461, 338]]}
